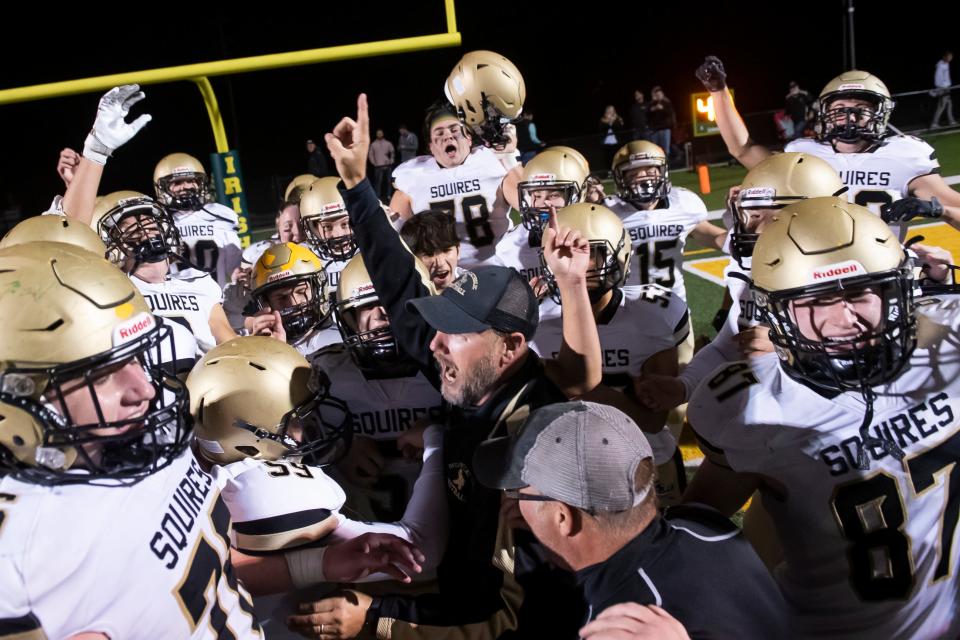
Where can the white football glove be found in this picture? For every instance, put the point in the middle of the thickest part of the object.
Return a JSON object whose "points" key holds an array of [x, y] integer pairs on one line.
{"points": [[110, 130]]}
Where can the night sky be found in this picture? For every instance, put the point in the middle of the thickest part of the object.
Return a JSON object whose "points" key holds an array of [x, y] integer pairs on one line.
{"points": [[574, 63]]}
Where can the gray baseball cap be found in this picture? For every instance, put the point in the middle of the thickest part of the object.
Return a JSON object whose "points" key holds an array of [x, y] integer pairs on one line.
{"points": [[580, 453]]}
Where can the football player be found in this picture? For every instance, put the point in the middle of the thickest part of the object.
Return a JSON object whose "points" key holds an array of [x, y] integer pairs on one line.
{"points": [[266, 423], [773, 184], [327, 226], [184, 351], [289, 279], [849, 431], [879, 168], [432, 238], [98, 482], [385, 393], [557, 177], [658, 216], [236, 295], [640, 329], [142, 239], [208, 229], [468, 181]]}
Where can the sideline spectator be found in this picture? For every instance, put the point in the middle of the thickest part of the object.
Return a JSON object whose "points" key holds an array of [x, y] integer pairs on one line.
{"points": [[609, 123], [381, 157], [638, 116], [661, 119], [798, 103], [407, 144], [941, 80]]}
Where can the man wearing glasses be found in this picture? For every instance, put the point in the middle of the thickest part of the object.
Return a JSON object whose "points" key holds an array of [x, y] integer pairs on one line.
{"points": [[584, 476]]}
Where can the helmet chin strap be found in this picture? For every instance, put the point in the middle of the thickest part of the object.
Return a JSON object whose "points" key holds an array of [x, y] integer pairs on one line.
{"points": [[867, 440]]}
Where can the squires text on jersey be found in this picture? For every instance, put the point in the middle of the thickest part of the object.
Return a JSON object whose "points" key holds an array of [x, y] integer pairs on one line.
{"points": [[649, 231], [194, 230], [180, 517], [454, 188], [172, 302], [912, 425], [391, 421], [853, 178]]}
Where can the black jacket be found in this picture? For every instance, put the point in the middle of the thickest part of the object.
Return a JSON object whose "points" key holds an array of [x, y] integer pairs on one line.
{"points": [[698, 566], [494, 582]]}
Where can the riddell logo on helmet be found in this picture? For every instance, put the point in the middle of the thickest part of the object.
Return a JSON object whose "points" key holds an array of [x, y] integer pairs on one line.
{"points": [[279, 276], [133, 328], [851, 86], [178, 170], [333, 206], [363, 290], [765, 193], [838, 271], [543, 177]]}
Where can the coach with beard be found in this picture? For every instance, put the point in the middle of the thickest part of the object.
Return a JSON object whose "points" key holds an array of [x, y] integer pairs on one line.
{"points": [[471, 343]]}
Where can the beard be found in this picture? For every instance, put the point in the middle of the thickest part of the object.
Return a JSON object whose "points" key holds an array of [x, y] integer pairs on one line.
{"points": [[475, 383]]}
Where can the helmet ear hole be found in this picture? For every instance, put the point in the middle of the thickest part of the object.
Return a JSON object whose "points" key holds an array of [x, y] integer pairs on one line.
{"points": [[248, 451]]}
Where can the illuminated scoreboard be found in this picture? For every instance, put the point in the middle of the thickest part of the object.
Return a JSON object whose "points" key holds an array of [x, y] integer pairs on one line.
{"points": [[704, 116]]}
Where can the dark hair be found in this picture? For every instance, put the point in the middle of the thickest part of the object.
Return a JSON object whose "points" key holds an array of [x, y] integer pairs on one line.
{"points": [[437, 110], [430, 232], [284, 204]]}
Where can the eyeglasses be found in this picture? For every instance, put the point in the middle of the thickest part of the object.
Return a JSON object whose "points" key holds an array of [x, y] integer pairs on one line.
{"points": [[514, 494]]}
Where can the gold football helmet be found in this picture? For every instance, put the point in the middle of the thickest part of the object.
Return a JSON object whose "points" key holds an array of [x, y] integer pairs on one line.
{"points": [[135, 226], [175, 169], [54, 228], [69, 320], [555, 172], [635, 155], [851, 124], [252, 397], [299, 273], [825, 251], [297, 186], [610, 248], [320, 205], [779, 180], [373, 349], [487, 91]]}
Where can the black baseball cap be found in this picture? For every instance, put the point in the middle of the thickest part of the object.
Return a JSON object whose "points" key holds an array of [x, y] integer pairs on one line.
{"points": [[485, 298]]}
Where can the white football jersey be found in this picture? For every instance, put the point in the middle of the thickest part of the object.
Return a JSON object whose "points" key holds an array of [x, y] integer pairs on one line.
{"points": [[879, 175], [514, 250], [151, 560], [869, 554], [469, 190], [333, 269], [658, 237], [743, 311], [279, 505], [645, 321], [187, 297], [210, 239], [742, 315], [381, 409], [318, 339]]}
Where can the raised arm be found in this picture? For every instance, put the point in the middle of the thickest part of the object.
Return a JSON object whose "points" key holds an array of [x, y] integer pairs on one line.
{"points": [[733, 130], [110, 131]]}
